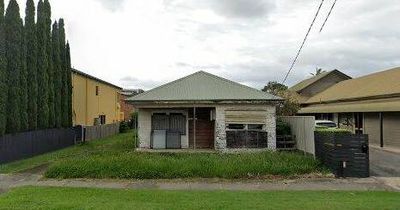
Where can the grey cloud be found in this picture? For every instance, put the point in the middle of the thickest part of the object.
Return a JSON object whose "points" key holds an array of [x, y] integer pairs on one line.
{"points": [[244, 8], [197, 67], [112, 5], [227, 8], [135, 83]]}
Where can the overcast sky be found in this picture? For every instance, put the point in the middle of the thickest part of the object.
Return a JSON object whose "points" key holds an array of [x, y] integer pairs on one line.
{"points": [[145, 43]]}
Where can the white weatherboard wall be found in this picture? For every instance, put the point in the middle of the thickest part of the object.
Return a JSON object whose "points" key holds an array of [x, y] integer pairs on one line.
{"points": [[303, 128]]}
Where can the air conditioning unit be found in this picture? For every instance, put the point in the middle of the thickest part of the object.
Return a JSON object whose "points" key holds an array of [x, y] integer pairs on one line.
{"points": [[97, 121]]}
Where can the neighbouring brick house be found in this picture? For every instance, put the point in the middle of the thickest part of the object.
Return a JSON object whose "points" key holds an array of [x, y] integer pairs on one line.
{"points": [[127, 108], [204, 111]]}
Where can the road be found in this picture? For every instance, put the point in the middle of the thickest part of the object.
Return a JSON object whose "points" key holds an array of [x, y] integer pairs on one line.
{"points": [[384, 163]]}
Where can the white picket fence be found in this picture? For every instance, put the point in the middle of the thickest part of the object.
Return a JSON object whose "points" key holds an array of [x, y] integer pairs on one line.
{"points": [[303, 128]]}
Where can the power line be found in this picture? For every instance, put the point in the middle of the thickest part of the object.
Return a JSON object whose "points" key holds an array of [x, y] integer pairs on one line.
{"points": [[302, 44], [327, 17]]}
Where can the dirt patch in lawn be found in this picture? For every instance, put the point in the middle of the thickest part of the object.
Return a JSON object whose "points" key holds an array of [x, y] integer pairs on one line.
{"points": [[40, 169]]}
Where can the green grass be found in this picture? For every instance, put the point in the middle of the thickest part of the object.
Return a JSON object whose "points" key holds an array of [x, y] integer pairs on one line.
{"points": [[118, 143], [115, 158], [81, 198]]}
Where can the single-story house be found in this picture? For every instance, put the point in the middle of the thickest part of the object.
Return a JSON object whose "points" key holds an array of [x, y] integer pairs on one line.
{"points": [[204, 111], [366, 105]]}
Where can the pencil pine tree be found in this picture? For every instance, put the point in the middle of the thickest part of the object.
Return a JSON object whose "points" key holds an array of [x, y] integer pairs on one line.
{"points": [[57, 74], [50, 71], [31, 61], [13, 37], [23, 82], [64, 87], [3, 74], [42, 66], [69, 85]]}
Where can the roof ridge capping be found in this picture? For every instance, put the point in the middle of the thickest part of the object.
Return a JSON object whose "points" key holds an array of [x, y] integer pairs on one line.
{"points": [[161, 86], [237, 83], [209, 75]]}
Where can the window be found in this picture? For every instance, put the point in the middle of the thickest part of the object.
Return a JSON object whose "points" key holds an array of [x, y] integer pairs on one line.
{"points": [[325, 116], [236, 126], [97, 90], [102, 119], [174, 122], [255, 126]]}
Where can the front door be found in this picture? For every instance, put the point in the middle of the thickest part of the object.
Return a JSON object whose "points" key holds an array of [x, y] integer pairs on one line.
{"points": [[204, 129]]}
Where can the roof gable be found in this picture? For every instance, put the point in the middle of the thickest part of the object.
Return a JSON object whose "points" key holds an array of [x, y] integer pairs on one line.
{"points": [[83, 74], [202, 86], [373, 85], [310, 81]]}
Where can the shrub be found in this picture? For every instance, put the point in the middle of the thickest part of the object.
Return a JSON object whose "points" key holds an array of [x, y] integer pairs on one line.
{"points": [[123, 127], [283, 128], [332, 131], [133, 121]]}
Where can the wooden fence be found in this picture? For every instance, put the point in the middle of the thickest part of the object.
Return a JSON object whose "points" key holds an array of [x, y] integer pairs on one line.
{"points": [[29, 144], [303, 128], [101, 131]]}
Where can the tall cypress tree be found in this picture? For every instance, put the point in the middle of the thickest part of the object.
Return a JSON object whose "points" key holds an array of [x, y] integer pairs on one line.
{"points": [[3, 74], [64, 87], [23, 89], [50, 71], [13, 39], [31, 61], [42, 66], [57, 74], [69, 81]]}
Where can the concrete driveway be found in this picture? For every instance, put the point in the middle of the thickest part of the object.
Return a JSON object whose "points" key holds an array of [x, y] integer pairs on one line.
{"points": [[384, 163]]}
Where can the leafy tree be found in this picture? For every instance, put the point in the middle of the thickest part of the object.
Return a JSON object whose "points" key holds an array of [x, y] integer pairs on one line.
{"points": [[274, 88], [69, 81], [23, 83], [289, 106], [42, 66], [13, 37], [64, 87], [31, 61], [3, 74], [57, 74]]}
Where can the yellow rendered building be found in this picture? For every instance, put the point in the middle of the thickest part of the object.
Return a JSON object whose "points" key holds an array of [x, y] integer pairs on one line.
{"points": [[94, 101]]}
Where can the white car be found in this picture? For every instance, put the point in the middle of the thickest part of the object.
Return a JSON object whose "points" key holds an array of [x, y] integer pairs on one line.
{"points": [[325, 124]]}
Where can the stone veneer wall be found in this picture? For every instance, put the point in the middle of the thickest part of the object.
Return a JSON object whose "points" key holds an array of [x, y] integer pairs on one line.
{"points": [[220, 126]]}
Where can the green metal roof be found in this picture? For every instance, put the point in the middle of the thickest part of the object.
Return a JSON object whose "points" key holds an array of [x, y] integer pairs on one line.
{"points": [[202, 86]]}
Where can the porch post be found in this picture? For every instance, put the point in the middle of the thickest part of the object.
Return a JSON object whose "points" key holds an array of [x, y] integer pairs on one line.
{"points": [[381, 128], [194, 127]]}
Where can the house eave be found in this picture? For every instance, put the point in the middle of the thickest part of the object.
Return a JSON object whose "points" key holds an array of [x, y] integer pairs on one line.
{"points": [[201, 102]]}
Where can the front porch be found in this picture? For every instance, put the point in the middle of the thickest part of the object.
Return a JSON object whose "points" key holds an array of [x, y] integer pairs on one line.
{"points": [[204, 128], [177, 128]]}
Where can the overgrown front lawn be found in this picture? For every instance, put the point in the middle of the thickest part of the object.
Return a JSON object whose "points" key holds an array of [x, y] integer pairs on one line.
{"points": [[80, 198], [115, 158]]}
